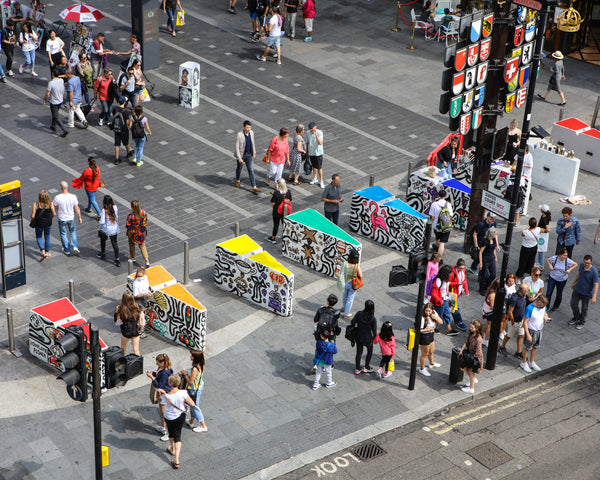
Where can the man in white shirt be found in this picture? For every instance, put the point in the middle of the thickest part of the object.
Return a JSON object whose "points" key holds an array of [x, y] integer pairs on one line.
{"points": [[441, 238], [66, 207]]}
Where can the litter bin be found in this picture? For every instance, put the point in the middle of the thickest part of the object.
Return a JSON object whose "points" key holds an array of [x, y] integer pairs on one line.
{"points": [[456, 374]]}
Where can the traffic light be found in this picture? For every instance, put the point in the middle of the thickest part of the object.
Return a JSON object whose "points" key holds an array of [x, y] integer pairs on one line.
{"points": [[119, 368], [417, 266], [73, 363], [398, 276]]}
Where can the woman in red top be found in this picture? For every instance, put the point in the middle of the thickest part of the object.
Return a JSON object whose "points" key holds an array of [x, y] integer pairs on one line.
{"points": [[101, 90], [458, 285], [90, 180], [279, 155]]}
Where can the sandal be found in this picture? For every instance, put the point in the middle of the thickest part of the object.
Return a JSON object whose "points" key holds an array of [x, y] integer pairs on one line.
{"points": [[296, 183], [174, 464], [48, 255], [168, 449]]}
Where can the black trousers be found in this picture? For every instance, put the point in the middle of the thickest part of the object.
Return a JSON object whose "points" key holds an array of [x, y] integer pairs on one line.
{"points": [[9, 52], [359, 351], [276, 219], [526, 260], [54, 109], [113, 241]]}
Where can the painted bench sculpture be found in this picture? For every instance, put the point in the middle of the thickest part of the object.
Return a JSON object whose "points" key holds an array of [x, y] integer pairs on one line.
{"points": [[173, 311], [312, 240], [244, 268], [379, 215]]}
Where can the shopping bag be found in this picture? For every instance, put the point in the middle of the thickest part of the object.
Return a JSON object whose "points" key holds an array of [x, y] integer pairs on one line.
{"points": [[180, 18], [144, 96], [391, 365]]}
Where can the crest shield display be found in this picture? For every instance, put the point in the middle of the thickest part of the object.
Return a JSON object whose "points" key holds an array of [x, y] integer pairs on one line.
{"points": [[523, 75], [519, 35], [511, 69], [512, 85], [510, 102], [530, 31], [460, 60], [455, 106], [527, 53], [521, 97], [482, 71], [467, 103], [465, 123], [479, 96], [465, 24], [458, 80], [488, 24], [484, 49], [475, 30], [477, 116], [470, 78], [473, 54], [521, 14]]}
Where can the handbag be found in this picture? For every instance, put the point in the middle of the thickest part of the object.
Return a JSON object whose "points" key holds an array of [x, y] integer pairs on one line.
{"points": [[307, 168], [391, 365], [102, 184], [180, 22], [356, 280], [266, 158], [350, 334], [154, 395], [281, 207]]}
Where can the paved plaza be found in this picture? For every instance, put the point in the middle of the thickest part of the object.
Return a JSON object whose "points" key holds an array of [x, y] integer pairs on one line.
{"points": [[376, 102]]}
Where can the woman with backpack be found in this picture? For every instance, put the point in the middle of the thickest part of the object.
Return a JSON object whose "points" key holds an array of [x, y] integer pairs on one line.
{"points": [[365, 326], [102, 91], [139, 127]]}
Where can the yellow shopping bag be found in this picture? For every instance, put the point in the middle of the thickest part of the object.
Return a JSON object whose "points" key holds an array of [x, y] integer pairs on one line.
{"points": [[180, 22], [410, 339], [391, 366]]}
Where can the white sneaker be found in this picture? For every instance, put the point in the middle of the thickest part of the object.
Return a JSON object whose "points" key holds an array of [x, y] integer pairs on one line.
{"points": [[435, 365], [313, 181], [322, 185], [467, 389], [160, 429], [199, 429], [535, 366], [425, 372], [525, 367], [101, 122], [164, 438], [468, 384], [501, 337]]}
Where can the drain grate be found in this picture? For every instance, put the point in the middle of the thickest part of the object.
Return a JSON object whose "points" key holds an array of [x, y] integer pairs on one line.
{"points": [[489, 455], [368, 451]]}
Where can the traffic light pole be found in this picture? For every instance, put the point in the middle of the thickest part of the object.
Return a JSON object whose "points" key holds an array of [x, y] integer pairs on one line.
{"points": [[492, 353], [419, 313], [96, 393]]}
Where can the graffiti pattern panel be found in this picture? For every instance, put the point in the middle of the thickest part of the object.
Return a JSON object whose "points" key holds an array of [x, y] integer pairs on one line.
{"points": [[42, 337], [422, 193]]}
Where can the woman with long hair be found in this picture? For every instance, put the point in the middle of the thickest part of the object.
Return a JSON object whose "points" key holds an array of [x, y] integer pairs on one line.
{"points": [[487, 260], [429, 321], [41, 216], [387, 344], [131, 319], [529, 244], [298, 150], [544, 225], [136, 226], [195, 386], [473, 346], [85, 72], [90, 178], [280, 195], [349, 270], [440, 298], [109, 228], [160, 379], [140, 83], [513, 140], [279, 155], [28, 40], [488, 307], [365, 325], [560, 266], [139, 129], [433, 266]]}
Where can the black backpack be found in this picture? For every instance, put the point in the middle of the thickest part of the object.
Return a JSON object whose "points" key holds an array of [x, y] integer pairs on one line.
{"points": [[117, 124], [326, 320], [137, 129]]}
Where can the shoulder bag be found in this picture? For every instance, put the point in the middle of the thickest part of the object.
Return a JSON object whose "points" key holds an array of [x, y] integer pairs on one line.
{"points": [[357, 281], [154, 395]]}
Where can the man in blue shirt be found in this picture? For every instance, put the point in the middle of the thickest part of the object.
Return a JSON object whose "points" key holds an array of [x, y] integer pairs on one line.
{"points": [[478, 235], [585, 288], [568, 231], [75, 98]]}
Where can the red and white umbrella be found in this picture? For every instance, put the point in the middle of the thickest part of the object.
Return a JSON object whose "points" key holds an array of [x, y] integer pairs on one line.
{"points": [[81, 13]]}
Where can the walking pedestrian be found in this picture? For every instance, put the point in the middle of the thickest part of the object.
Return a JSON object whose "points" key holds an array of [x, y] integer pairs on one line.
{"points": [[99, 56], [109, 228], [231, 8], [487, 260], [263, 8], [348, 273], [140, 82], [55, 94], [325, 350], [54, 48], [290, 19], [68, 207], [440, 298], [568, 230], [130, 319], [365, 326], [85, 73], [517, 303], [42, 213], [139, 128], [251, 6], [296, 155], [175, 416], [90, 179], [137, 223], [280, 198], [121, 124], [127, 86], [170, 7], [245, 153], [544, 224], [429, 322], [308, 12], [560, 266], [75, 99], [314, 141], [160, 380], [387, 343], [458, 286], [533, 322], [529, 244], [441, 213], [332, 196], [475, 363], [102, 90], [9, 40], [487, 310], [274, 39], [558, 74], [585, 289], [29, 42], [195, 385]]}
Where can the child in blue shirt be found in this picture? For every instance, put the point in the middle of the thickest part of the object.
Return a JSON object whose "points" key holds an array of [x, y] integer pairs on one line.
{"points": [[325, 350]]}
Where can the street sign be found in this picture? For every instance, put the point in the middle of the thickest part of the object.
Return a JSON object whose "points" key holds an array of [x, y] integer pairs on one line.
{"points": [[495, 204], [529, 3]]}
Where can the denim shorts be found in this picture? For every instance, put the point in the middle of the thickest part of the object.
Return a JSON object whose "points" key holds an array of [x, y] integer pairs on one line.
{"points": [[273, 41], [253, 15]]}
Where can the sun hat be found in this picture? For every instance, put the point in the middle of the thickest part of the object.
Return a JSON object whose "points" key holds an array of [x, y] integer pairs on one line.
{"points": [[558, 55]]}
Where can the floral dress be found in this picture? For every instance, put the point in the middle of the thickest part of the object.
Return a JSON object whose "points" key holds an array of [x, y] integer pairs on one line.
{"points": [[296, 156], [136, 229]]}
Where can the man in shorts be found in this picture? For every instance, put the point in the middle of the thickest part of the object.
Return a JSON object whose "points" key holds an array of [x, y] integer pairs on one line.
{"points": [[314, 140], [533, 322], [441, 238], [121, 124], [251, 6], [517, 305]]}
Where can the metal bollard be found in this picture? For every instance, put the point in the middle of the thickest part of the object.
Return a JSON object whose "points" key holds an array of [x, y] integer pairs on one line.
{"points": [[11, 333], [561, 114], [408, 178], [72, 291], [236, 229], [595, 115], [371, 180], [129, 266], [396, 29], [186, 262]]}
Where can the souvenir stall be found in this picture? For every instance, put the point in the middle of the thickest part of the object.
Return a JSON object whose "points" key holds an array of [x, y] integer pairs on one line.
{"points": [[573, 135]]}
